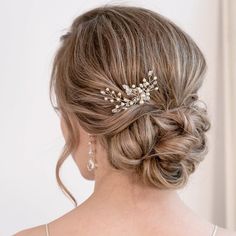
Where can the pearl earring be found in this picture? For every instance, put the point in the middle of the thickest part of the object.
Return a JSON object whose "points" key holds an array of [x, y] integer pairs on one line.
{"points": [[91, 165]]}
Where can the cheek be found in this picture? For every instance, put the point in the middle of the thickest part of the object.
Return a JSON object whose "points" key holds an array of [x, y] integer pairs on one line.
{"points": [[63, 128], [81, 152]]}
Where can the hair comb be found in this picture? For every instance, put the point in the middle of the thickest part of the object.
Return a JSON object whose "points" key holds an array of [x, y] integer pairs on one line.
{"points": [[140, 93]]}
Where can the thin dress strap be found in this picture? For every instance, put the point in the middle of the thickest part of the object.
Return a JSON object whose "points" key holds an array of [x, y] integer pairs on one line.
{"points": [[214, 230], [47, 231]]}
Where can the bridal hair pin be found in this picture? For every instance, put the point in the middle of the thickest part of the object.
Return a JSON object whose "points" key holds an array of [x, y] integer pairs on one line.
{"points": [[141, 93]]}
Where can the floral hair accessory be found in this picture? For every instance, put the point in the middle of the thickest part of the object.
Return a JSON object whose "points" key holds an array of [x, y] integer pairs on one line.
{"points": [[140, 93]]}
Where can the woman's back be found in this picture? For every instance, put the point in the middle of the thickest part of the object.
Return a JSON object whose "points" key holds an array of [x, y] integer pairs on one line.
{"points": [[105, 220], [89, 229]]}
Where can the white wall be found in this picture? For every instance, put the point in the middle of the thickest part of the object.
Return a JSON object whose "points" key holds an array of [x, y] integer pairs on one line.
{"points": [[30, 136]]}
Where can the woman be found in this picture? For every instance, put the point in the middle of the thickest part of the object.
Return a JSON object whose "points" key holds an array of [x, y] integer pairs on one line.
{"points": [[126, 81]]}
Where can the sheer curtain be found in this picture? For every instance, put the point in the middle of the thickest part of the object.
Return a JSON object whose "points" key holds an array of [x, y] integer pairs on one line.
{"points": [[228, 9]]}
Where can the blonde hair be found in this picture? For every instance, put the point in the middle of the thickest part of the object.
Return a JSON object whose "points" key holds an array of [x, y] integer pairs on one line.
{"points": [[161, 141]]}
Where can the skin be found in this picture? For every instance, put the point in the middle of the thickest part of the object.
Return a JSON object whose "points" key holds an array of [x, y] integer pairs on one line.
{"points": [[119, 206]]}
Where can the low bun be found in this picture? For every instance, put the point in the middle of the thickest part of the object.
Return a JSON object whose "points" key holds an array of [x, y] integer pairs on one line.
{"points": [[162, 147]]}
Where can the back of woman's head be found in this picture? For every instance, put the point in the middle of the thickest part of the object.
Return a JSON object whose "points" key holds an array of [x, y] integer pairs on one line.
{"points": [[163, 140]]}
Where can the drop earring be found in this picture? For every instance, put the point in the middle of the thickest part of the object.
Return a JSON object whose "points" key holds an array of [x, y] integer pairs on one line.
{"points": [[91, 165]]}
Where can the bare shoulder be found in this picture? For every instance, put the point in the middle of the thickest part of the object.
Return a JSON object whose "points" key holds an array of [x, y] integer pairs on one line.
{"points": [[55, 227], [225, 232], [34, 231]]}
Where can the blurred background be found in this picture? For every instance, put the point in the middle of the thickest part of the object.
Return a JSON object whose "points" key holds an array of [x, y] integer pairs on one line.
{"points": [[30, 135]]}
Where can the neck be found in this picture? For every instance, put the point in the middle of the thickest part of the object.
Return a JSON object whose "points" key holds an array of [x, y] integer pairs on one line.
{"points": [[118, 189]]}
